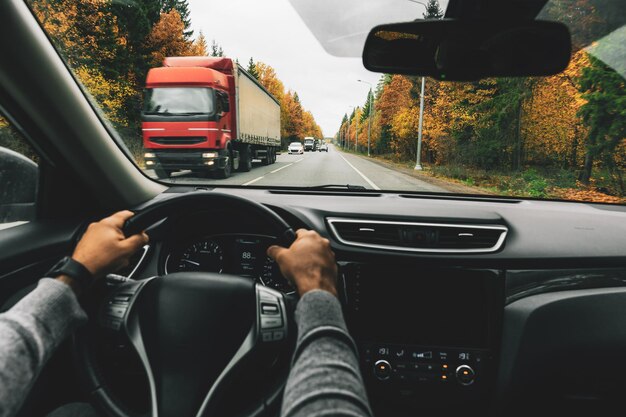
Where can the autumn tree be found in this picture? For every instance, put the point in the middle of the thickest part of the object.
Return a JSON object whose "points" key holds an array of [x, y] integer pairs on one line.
{"points": [[199, 46], [182, 7], [167, 38]]}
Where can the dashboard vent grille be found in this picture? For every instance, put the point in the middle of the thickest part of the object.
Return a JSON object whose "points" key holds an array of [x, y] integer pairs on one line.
{"points": [[419, 237]]}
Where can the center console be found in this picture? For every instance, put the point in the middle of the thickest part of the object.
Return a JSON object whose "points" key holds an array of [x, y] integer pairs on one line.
{"points": [[428, 338]]}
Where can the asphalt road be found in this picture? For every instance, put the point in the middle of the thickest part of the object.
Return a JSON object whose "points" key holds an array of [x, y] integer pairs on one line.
{"points": [[317, 168]]}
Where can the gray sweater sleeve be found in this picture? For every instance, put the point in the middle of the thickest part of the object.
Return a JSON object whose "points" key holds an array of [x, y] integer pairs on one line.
{"points": [[29, 333], [324, 379]]}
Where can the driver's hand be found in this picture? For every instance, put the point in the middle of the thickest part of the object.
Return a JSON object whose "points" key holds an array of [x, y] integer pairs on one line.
{"points": [[309, 262], [104, 248]]}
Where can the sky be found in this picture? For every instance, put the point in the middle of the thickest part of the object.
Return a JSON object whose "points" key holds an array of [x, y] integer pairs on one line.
{"points": [[272, 31]]}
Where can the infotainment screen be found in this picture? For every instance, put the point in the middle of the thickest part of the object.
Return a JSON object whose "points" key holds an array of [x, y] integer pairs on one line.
{"points": [[421, 307]]}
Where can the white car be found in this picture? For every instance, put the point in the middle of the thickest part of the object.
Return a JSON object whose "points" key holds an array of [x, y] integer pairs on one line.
{"points": [[323, 147], [295, 147]]}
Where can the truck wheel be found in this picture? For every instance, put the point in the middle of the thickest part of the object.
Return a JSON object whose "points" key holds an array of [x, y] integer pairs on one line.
{"points": [[246, 159], [273, 155], [227, 170]]}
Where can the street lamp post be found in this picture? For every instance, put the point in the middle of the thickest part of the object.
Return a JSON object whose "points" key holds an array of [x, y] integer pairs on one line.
{"points": [[369, 121], [418, 164], [356, 134]]}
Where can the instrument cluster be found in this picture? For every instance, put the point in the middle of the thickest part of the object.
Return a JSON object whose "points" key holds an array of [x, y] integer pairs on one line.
{"points": [[235, 254]]}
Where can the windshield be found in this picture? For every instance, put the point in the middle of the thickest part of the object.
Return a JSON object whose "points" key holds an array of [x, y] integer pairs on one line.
{"points": [[178, 101], [296, 73]]}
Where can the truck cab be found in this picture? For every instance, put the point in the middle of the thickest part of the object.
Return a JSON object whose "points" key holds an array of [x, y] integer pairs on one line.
{"points": [[208, 116], [309, 144]]}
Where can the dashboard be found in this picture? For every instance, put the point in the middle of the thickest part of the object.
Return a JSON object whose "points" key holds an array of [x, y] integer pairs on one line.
{"points": [[455, 306], [235, 254]]}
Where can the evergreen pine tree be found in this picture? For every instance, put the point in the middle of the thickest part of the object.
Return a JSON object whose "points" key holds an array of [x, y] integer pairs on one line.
{"points": [[433, 11], [252, 69]]}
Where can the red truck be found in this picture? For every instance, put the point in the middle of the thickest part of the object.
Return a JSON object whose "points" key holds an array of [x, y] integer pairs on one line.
{"points": [[207, 115]]}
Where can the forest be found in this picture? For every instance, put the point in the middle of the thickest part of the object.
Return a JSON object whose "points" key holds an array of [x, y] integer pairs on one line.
{"points": [[562, 136], [110, 45]]}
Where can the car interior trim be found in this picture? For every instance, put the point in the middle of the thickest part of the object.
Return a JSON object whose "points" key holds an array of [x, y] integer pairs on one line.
{"points": [[332, 220]]}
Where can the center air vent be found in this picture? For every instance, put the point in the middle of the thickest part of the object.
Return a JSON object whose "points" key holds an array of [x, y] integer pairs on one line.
{"points": [[418, 237]]}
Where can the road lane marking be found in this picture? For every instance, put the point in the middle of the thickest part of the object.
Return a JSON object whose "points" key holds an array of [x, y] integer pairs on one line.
{"points": [[254, 180], [374, 186], [299, 160], [276, 170]]}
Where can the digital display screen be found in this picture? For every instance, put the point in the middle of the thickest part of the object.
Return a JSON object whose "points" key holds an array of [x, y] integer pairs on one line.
{"points": [[247, 253], [439, 308]]}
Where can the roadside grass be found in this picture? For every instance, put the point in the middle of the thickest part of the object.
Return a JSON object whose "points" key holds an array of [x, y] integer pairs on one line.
{"points": [[531, 181]]}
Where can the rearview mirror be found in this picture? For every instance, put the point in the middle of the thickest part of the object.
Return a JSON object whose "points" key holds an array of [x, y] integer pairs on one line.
{"points": [[468, 50]]}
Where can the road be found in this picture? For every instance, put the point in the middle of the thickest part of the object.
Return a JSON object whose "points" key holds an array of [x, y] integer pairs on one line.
{"points": [[318, 168]]}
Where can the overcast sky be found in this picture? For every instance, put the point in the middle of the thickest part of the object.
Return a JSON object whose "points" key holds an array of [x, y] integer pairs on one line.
{"points": [[273, 32]]}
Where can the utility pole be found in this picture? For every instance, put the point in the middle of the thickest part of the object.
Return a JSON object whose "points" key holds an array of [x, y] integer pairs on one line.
{"points": [[369, 126]]}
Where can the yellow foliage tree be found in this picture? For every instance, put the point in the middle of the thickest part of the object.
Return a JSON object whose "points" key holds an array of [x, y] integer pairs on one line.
{"points": [[167, 38]]}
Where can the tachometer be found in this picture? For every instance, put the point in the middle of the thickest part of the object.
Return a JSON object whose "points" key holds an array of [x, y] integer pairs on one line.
{"points": [[205, 256], [271, 277]]}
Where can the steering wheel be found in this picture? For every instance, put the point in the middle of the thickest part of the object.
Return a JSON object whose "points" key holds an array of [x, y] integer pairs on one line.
{"points": [[191, 330]]}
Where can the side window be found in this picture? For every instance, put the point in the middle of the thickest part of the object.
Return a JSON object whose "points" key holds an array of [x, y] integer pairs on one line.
{"points": [[19, 177]]}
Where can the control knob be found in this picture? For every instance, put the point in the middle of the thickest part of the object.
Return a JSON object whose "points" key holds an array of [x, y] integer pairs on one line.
{"points": [[465, 375], [382, 370]]}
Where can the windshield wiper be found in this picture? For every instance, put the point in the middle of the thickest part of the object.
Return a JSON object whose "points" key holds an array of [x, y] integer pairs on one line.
{"points": [[349, 187]]}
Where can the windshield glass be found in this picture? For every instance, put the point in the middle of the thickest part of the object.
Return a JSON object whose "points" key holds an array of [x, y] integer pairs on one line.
{"points": [[178, 101], [296, 73]]}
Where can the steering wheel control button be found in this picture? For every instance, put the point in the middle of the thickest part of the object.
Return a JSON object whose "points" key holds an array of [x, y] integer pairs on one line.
{"points": [[269, 309], [271, 322], [276, 336], [267, 336], [465, 375], [382, 370]]}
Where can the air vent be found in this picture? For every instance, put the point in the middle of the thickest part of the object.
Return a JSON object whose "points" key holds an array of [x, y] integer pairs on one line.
{"points": [[418, 237]]}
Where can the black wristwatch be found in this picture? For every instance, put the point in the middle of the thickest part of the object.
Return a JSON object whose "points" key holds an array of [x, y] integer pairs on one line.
{"points": [[73, 269]]}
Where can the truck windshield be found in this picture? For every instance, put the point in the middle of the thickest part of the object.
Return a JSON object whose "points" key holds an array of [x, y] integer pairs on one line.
{"points": [[179, 101]]}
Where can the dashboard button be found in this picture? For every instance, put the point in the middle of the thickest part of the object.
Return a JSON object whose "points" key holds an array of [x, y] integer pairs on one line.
{"points": [[422, 354], [382, 370], [278, 335], [267, 336]]}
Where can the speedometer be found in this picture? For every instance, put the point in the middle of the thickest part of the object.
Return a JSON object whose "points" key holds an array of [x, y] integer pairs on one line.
{"points": [[205, 256]]}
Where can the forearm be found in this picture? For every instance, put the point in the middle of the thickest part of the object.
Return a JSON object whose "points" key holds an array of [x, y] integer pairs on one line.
{"points": [[29, 333], [325, 377]]}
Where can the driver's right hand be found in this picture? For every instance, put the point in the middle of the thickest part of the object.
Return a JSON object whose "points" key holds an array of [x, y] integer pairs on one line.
{"points": [[309, 262]]}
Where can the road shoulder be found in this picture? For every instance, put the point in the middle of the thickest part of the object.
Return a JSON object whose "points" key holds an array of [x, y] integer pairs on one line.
{"points": [[449, 186]]}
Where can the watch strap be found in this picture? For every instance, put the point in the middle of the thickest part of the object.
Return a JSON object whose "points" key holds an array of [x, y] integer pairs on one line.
{"points": [[73, 269]]}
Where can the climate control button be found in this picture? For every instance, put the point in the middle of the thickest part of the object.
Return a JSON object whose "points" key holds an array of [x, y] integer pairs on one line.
{"points": [[465, 375], [382, 370]]}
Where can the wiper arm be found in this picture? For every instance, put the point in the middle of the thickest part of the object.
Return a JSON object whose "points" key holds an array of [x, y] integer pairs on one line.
{"points": [[349, 187]]}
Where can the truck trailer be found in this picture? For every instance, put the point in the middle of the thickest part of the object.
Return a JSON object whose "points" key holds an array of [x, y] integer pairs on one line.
{"points": [[207, 115]]}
